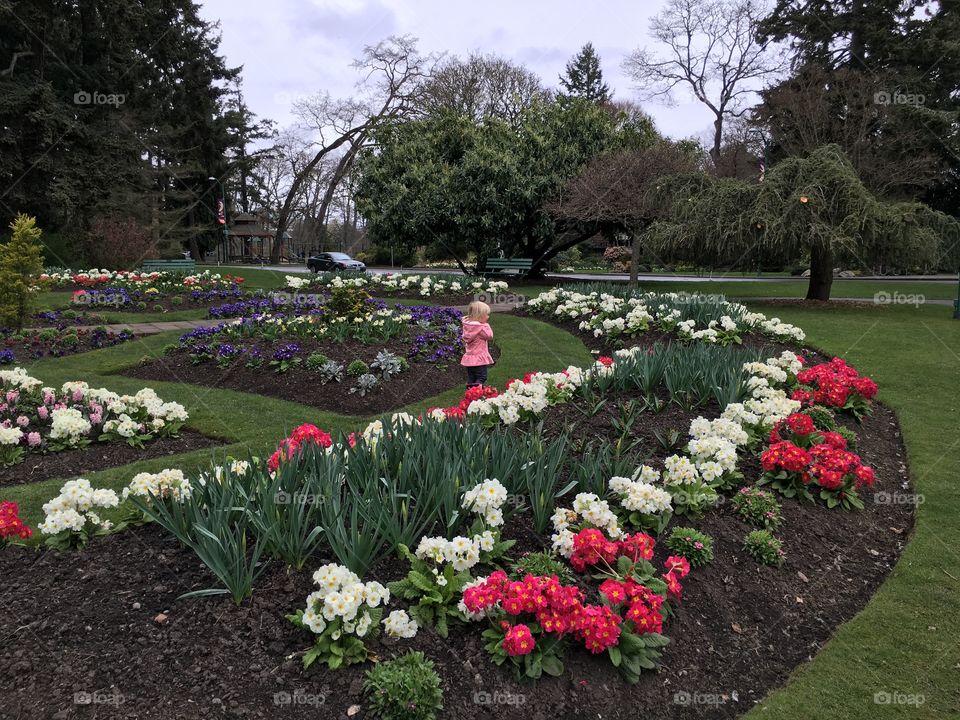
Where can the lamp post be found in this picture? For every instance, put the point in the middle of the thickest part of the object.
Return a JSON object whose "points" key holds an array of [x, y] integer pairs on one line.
{"points": [[956, 303], [222, 220]]}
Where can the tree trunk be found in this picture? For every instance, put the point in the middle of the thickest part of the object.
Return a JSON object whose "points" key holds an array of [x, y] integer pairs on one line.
{"points": [[717, 139], [634, 260], [821, 272]]}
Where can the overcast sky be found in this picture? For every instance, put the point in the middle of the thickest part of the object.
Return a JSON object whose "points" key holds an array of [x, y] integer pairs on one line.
{"points": [[295, 48]]}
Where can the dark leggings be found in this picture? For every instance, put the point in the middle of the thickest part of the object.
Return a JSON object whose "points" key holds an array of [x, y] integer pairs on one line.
{"points": [[476, 375]]}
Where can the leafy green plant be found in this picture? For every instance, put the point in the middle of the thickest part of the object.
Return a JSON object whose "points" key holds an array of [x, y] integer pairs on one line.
{"points": [[316, 360], [386, 364], [695, 546], [357, 368], [436, 593], [330, 371], [365, 384], [542, 564], [406, 688], [763, 547], [215, 523], [21, 262], [757, 507]]}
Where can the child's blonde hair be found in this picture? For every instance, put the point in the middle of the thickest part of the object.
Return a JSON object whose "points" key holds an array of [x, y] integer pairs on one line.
{"points": [[477, 310]]}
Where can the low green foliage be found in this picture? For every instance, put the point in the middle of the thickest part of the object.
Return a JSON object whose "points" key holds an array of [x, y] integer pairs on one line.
{"points": [[406, 688], [541, 564], [763, 547], [695, 546], [758, 507]]}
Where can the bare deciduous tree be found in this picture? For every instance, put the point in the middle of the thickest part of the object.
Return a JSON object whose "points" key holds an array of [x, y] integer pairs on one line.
{"points": [[712, 50], [393, 73], [482, 86]]}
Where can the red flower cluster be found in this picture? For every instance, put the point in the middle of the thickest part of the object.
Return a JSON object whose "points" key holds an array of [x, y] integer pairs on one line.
{"points": [[678, 567], [827, 464], [644, 605], [557, 609], [833, 384], [590, 546], [304, 434], [518, 640], [785, 455], [605, 360], [10, 523], [800, 424]]}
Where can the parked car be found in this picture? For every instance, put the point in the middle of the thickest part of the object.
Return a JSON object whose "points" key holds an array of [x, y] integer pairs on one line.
{"points": [[333, 262]]}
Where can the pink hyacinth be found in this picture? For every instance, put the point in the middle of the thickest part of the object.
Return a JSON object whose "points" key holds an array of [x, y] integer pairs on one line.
{"points": [[78, 394], [23, 421], [12, 396], [48, 397], [33, 439], [96, 418], [42, 412]]}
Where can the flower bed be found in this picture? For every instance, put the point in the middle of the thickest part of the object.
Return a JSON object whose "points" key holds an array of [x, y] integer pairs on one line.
{"points": [[35, 344], [460, 289], [589, 555], [38, 420], [604, 319], [111, 298], [355, 363], [132, 280]]}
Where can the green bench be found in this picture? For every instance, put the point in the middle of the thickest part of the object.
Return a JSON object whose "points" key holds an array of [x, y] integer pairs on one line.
{"points": [[187, 267], [498, 266]]}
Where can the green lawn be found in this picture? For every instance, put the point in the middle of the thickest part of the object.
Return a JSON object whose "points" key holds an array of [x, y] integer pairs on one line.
{"points": [[253, 423]]}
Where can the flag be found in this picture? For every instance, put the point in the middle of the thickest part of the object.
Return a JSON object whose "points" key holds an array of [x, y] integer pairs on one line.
{"points": [[221, 216]]}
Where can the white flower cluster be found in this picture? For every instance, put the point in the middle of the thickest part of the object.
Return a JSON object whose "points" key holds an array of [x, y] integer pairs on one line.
{"points": [[524, 400], [640, 494], [487, 500], [342, 595], [18, 379], [10, 435], [462, 552], [774, 327], [589, 509], [132, 278], [124, 426], [768, 403], [68, 425], [166, 483], [679, 470], [73, 508], [400, 625]]}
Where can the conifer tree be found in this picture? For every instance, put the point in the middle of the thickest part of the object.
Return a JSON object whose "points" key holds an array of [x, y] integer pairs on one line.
{"points": [[584, 78]]}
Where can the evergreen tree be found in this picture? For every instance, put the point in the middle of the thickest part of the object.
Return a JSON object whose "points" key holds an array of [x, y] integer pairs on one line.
{"points": [[583, 77], [21, 261]]}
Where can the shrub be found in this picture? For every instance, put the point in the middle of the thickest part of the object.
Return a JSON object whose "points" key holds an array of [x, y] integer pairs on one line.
{"points": [[316, 360], [68, 314], [141, 305], [407, 688], [119, 243], [176, 300], [21, 261], [357, 368], [695, 546], [757, 507], [348, 302], [763, 547], [386, 364]]}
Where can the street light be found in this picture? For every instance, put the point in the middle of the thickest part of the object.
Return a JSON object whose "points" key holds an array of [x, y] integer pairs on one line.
{"points": [[226, 238], [956, 303]]}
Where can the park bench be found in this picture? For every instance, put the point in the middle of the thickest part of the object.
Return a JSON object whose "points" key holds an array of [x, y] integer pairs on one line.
{"points": [[187, 267], [498, 266]]}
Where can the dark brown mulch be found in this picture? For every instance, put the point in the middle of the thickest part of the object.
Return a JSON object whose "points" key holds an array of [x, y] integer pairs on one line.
{"points": [[86, 623], [299, 384], [415, 298], [99, 456]]}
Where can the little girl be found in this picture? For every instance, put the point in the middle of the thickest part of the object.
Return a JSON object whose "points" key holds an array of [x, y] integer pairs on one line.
{"points": [[476, 333]]}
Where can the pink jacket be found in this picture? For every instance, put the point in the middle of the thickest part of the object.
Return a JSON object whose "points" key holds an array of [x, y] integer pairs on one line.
{"points": [[475, 336]]}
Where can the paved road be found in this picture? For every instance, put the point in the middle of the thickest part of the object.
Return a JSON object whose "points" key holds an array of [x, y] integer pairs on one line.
{"points": [[302, 269]]}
